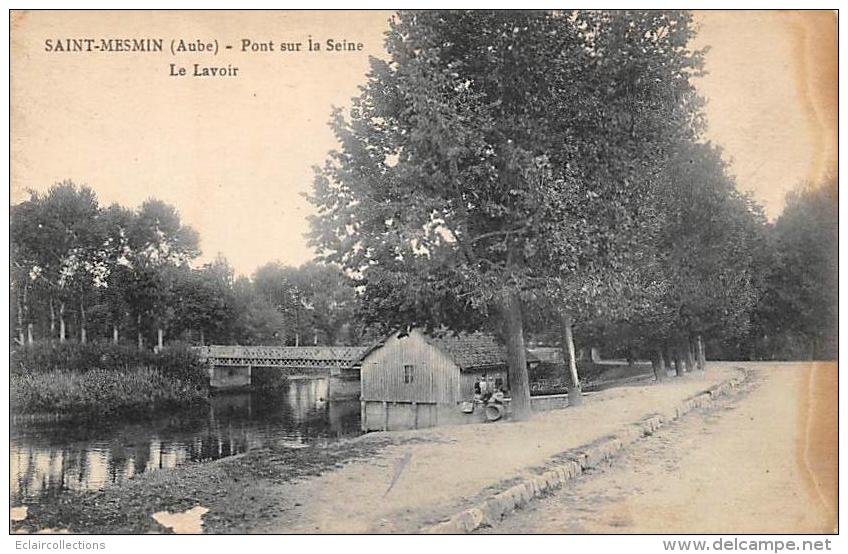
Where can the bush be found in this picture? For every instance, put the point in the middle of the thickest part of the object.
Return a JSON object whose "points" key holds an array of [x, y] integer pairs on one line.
{"points": [[100, 392], [104, 379], [175, 360]]}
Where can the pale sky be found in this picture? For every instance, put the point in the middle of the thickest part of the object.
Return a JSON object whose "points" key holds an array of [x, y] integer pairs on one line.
{"points": [[234, 155]]}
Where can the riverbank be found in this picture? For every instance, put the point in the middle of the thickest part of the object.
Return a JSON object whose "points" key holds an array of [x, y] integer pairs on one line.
{"points": [[100, 393], [344, 486], [51, 459], [238, 489], [54, 381]]}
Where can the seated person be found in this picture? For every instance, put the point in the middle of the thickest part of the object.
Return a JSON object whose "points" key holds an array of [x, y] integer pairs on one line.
{"points": [[486, 390]]}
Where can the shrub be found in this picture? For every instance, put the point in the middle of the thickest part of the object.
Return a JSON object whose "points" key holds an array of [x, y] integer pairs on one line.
{"points": [[100, 392], [175, 360], [104, 379]]}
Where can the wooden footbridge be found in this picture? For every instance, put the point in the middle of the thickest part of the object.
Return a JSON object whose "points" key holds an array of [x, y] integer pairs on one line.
{"points": [[231, 366]]}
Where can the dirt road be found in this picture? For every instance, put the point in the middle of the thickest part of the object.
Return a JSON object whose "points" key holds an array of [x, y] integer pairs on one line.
{"points": [[443, 470], [765, 462]]}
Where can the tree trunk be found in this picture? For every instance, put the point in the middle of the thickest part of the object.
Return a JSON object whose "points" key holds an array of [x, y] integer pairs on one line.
{"points": [[61, 322], [27, 315], [575, 393], [296, 327], [658, 363], [114, 333], [516, 355], [678, 363], [20, 318], [690, 356], [160, 335], [82, 324], [669, 357], [594, 354], [140, 336], [52, 320], [202, 337], [702, 358]]}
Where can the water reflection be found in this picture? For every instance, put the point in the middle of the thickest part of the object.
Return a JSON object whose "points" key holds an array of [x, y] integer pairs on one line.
{"points": [[49, 459]]}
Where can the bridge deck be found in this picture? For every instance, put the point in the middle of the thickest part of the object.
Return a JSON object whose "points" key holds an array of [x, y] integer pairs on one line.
{"points": [[300, 357]]}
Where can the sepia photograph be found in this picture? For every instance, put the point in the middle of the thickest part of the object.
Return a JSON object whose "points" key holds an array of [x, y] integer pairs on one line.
{"points": [[483, 271]]}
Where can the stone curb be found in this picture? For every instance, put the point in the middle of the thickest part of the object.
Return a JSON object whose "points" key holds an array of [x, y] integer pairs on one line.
{"points": [[577, 460]]}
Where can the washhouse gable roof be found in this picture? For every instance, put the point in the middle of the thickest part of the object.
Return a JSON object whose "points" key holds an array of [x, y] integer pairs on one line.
{"points": [[468, 351]]}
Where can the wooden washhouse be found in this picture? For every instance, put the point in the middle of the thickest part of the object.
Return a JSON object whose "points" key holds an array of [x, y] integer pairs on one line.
{"points": [[413, 380]]}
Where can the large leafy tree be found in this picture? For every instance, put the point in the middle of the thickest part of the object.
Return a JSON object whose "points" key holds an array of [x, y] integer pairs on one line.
{"points": [[118, 223], [159, 244], [257, 321], [492, 150], [712, 242], [434, 199], [56, 238], [327, 300], [204, 302], [631, 103], [277, 285], [317, 302], [26, 258]]}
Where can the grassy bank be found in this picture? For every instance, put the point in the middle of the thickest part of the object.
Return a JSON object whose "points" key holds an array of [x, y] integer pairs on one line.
{"points": [[97, 380], [241, 490]]}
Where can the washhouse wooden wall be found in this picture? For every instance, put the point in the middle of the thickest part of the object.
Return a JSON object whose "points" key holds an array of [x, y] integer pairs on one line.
{"points": [[435, 377]]}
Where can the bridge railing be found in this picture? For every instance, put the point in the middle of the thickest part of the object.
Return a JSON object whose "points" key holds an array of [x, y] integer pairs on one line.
{"points": [[341, 357]]}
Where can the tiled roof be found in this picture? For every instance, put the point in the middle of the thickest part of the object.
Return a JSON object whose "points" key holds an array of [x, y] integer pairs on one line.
{"points": [[467, 350], [475, 350], [470, 351]]}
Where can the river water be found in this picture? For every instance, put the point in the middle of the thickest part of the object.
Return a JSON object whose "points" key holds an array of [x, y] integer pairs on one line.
{"points": [[49, 459]]}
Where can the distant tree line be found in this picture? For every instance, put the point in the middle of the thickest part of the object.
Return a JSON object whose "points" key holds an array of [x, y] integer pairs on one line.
{"points": [[797, 315], [82, 272]]}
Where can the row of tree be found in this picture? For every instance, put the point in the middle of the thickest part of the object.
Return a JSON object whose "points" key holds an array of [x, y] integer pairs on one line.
{"points": [[80, 271], [100, 292], [798, 311], [528, 170]]}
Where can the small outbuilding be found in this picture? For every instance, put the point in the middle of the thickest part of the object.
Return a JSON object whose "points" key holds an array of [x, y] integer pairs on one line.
{"points": [[412, 380]]}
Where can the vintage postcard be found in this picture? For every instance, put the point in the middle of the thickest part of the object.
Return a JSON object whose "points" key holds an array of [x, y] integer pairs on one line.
{"points": [[418, 271]]}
